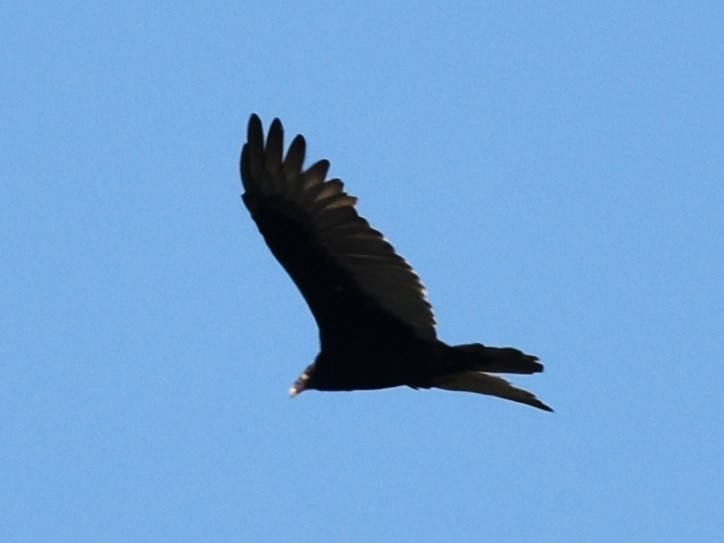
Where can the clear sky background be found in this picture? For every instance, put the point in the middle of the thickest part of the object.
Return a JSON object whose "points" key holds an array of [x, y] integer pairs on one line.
{"points": [[554, 171]]}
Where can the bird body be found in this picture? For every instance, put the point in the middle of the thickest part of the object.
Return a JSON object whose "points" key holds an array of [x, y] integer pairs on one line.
{"points": [[376, 326]]}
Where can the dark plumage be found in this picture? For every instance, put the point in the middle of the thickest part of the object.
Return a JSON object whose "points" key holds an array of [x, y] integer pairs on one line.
{"points": [[376, 327]]}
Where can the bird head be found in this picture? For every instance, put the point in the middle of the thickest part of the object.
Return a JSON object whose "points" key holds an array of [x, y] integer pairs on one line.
{"points": [[302, 382]]}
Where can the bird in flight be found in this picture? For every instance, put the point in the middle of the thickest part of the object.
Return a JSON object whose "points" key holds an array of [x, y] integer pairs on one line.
{"points": [[376, 327]]}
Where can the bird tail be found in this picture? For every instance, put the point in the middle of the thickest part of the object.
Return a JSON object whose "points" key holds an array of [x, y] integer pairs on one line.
{"points": [[478, 357], [474, 359]]}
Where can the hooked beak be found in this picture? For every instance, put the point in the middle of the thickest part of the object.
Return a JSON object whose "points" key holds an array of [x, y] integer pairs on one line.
{"points": [[299, 385]]}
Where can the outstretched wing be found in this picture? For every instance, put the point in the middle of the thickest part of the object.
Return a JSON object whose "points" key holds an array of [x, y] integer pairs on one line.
{"points": [[484, 383], [350, 276]]}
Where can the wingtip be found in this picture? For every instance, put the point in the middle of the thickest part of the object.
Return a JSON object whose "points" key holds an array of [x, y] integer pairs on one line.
{"points": [[254, 126], [491, 385], [544, 407]]}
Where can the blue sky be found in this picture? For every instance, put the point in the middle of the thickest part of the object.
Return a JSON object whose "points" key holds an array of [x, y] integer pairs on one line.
{"points": [[553, 171]]}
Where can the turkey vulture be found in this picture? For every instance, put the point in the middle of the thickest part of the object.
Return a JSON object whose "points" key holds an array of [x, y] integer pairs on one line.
{"points": [[376, 327]]}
